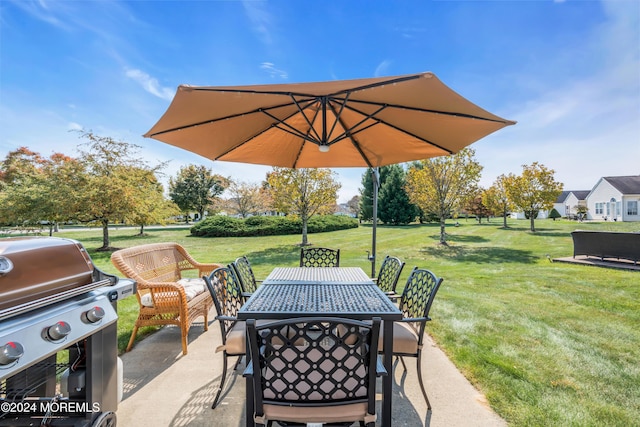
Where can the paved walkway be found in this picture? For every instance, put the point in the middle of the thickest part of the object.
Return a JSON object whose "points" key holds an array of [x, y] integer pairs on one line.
{"points": [[620, 264], [164, 388]]}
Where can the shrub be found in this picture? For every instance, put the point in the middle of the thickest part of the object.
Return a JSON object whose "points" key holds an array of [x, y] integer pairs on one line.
{"points": [[219, 226], [224, 226], [554, 214]]}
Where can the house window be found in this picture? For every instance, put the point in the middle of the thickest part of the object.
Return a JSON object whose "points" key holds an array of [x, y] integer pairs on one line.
{"points": [[632, 207], [599, 208]]}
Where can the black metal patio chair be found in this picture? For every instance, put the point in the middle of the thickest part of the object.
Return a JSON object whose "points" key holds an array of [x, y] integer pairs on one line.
{"points": [[388, 276], [244, 273], [319, 257], [227, 298], [322, 370], [415, 304]]}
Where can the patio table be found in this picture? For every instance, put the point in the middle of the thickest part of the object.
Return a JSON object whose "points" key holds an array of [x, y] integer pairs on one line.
{"points": [[318, 291]]}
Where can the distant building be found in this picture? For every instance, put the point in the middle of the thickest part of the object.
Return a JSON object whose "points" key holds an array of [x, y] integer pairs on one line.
{"points": [[568, 201], [615, 198]]}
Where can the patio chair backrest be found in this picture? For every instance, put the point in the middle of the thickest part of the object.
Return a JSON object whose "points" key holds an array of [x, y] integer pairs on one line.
{"points": [[313, 362], [226, 293], [417, 297], [390, 273], [319, 257], [244, 272]]}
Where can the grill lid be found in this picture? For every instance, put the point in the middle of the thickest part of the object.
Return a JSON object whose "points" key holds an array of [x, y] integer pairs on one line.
{"points": [[33, 268]]}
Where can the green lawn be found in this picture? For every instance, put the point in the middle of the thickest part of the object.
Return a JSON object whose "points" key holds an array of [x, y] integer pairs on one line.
{"points": [[547, 343]]}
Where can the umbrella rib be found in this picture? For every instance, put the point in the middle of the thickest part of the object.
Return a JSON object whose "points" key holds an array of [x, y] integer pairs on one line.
{"points": [[351, 129], [301, 111], [379, 121], [348, 134], [289, 129], [303, 94], [232, 116], [424, 110]]}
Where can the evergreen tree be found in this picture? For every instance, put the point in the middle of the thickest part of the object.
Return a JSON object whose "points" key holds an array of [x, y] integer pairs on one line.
{"points": [[394, 206], [366, 196], [366, 192]]}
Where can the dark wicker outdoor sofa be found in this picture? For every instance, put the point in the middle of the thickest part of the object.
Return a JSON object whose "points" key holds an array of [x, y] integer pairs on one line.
{"points": [[607, 244]]}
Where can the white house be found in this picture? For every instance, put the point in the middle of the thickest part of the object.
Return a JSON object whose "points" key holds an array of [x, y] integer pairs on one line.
{"points": [[568, 201], [615, 198]]}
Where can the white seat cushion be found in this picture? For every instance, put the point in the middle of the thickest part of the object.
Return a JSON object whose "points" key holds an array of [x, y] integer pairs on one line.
{"points": [[192, 288]]}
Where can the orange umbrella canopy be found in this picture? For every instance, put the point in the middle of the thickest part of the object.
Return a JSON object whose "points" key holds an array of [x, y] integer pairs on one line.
{"points": [[349, 123]]}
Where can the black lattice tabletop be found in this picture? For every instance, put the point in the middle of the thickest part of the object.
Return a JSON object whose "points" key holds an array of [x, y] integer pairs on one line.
{"points": [[318, 275]]}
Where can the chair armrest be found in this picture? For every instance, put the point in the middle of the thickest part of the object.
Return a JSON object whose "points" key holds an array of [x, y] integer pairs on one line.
{"points": [[414, 319], [229, 318], [206, 269], [248, 371], [380, 369], [246, 294]]}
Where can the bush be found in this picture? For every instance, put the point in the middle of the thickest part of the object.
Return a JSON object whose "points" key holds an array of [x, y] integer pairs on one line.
{"points": [[224, 226], [554, 214]]}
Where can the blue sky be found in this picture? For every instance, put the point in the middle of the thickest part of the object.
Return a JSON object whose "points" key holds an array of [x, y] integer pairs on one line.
{"points": [[567, 71]]}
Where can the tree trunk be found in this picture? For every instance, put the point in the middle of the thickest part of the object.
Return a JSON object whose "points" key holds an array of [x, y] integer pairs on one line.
{"points": [[533, 228], [443, 234], [142, 229], [305, 242], [504, 218], [105, 234]]}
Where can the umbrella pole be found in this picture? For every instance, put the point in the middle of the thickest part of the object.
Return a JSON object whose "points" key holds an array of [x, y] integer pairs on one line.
{"points": [[376, 185]]}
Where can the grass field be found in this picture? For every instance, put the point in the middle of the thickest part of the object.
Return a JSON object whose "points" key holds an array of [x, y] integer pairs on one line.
{"points": [[547, 343]]}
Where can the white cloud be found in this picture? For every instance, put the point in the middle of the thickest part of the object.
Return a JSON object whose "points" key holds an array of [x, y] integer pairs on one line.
{"points": [[382, 68], [270, 68], [260, 18], [150, 84], [583, 130], [74, 126]]}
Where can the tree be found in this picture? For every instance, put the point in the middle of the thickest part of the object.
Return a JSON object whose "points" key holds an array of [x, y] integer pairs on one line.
{"points": [[112, 183], [39, 190], [476, 207], [497, 199], [195, 189], [394, 206], [581, 212], [64, 180], [533, 191], [354, 205], [554, 214], [246, 198], [366, 196], [303, 192], [149, 206], [440, 185]]}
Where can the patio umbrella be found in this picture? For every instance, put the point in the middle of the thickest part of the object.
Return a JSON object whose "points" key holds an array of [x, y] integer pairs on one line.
{"points": [[345, 123]]}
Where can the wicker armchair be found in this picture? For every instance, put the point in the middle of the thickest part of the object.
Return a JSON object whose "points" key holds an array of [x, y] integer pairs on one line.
{"points": [[157, 268]]}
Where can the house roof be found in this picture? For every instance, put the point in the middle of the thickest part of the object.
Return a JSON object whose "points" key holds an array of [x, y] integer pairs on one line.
{"points": [[580, 195], [625, 184]]}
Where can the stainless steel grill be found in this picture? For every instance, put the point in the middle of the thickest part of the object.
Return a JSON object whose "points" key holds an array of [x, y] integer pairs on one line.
{"points": [[58, 335]]}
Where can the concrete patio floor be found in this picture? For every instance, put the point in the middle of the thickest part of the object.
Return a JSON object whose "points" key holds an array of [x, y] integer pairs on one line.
{"points": [[164, 388]]}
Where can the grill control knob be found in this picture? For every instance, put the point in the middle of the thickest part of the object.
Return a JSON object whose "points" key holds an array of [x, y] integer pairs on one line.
{"points": [[94, 315], [10, 352], [58, 331]]}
